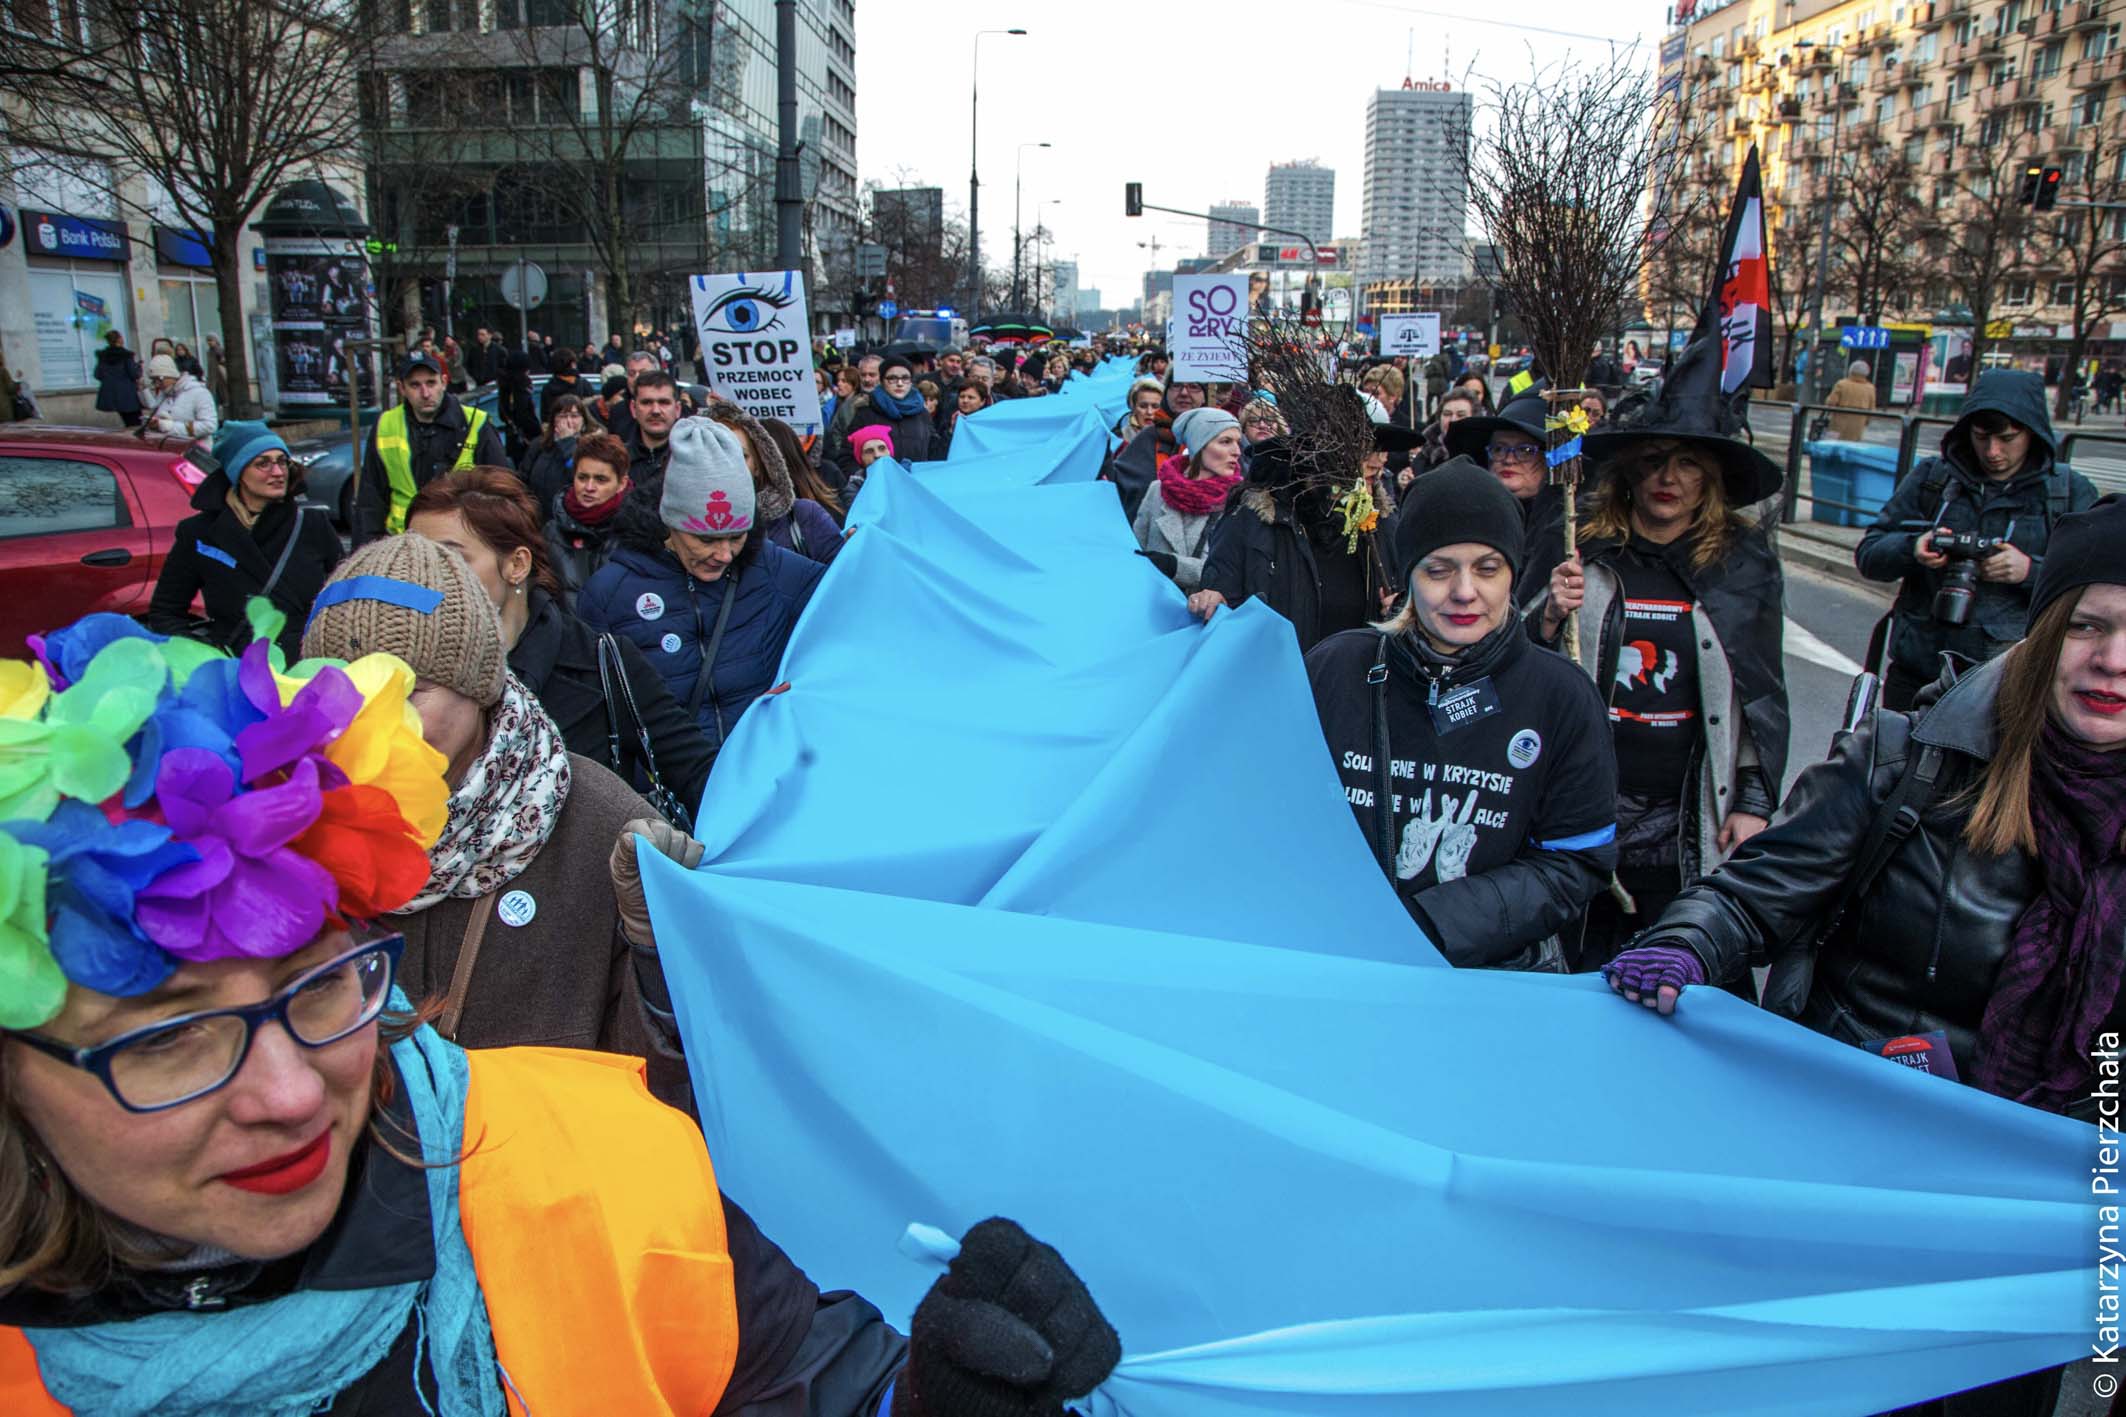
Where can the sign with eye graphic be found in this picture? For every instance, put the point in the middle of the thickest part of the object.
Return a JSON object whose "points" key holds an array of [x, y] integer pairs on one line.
{"points": [[756, 345]]}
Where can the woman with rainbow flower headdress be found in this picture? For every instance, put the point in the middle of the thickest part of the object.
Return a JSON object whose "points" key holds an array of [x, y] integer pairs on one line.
{"points": [[239, 1173]]}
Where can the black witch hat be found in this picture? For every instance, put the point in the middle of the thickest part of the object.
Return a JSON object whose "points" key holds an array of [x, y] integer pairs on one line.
{"points": [[1691, 408]]}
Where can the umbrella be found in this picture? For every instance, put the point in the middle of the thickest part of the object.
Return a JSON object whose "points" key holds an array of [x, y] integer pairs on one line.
{"points": [[1012, 325]]}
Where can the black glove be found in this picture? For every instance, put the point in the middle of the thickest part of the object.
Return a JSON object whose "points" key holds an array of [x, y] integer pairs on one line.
{"points": [[1010, 1331], [1164, 560]]}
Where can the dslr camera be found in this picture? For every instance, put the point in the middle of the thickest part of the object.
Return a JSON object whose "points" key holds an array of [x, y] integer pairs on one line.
{"points": [[1959, 579]]}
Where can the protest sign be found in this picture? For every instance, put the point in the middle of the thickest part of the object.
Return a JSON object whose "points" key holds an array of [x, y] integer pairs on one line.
{"points": [[1210, 329], [845, 338], [1415, 336], [756, 349]]}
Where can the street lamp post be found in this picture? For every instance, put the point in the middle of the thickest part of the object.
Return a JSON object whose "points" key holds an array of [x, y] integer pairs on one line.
{"points": [[1018, 174], [1040, 218], [974, 170]]}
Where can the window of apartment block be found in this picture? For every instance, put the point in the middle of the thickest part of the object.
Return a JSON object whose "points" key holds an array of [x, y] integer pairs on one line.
{"points": [[1960, 87], [1927, 47], [2062, 292], [2016, 292]]}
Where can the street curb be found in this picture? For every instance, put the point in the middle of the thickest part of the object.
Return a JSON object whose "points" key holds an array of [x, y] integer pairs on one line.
{"points": [[1831, 558]]}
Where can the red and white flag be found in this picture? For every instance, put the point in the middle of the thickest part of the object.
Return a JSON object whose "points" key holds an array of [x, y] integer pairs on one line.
{"points": [[1742, 300]]}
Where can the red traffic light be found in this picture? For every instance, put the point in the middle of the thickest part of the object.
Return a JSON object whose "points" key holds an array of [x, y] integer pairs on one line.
{"points": [[2048, 189]]}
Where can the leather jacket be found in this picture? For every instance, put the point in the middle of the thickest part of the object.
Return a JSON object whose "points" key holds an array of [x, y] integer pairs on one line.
{"points": [[1921, 950]]}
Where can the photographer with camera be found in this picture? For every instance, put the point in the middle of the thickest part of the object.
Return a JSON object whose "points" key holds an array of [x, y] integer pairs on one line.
{"points": [[1965, 533]]}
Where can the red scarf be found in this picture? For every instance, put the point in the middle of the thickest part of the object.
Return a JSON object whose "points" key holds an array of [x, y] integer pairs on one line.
{"points": [[600, 514], [1193, 496]]}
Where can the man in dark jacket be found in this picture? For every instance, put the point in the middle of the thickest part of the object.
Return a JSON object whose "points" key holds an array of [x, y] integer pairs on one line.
{"points": [[425, 435], [656, 408], [483, 358], [1996, 477]]}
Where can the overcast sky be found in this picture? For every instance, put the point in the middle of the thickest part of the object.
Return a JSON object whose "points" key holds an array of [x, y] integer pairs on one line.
{"points": [[1193, 100]]}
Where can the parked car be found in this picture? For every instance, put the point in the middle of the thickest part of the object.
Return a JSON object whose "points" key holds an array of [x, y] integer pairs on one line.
{"points": [[85, 521], [1508, 365]]}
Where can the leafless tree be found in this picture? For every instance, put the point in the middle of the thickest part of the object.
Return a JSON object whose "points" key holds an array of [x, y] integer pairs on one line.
{"points": [[2085, 246], [1558, 172], [217, 102], [1876, 228], [1976, 237]]}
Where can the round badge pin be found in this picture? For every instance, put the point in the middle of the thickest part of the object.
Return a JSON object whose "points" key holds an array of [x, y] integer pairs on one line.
{"points": [[1525, 747], [517, 908], [650, 605], [670, 643]]}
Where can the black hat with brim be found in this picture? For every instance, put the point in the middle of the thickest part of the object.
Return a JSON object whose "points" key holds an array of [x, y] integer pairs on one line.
{"points": [[1395, 438], [1746, 475], [1470, 437]]}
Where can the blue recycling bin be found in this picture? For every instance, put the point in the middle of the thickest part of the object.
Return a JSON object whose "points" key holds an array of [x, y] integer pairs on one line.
{"points": [[1861, 475]]}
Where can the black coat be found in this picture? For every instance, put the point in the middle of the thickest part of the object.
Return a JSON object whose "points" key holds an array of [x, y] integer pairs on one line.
{"points": [[1921, 950], [1744, 595], [546, 468], [559, 387], [1527, 794], [1258, 548], [1949, 490], [557, 659], [574, 550], [435, 446], [913, 435], [215, 556], [483, 362], [117, 380]]}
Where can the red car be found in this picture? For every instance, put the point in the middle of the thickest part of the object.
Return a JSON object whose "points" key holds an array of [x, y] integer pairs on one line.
{"points": [[86, 516]]}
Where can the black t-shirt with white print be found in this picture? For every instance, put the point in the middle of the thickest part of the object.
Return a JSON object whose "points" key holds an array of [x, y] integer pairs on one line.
{"points": [[1653, 692]]}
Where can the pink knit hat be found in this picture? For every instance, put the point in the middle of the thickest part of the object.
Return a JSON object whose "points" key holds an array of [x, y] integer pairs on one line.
{"points": [[860, 436]]}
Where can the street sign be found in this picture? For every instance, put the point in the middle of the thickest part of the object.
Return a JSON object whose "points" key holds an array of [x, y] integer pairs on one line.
{"points": [[1864, 337], [524, 285], [887, 309], [1412, 336], [870, 261], [1312, 317]]}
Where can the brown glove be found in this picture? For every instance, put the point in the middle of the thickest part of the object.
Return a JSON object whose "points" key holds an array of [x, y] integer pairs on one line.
{"points": [[627, 873]]}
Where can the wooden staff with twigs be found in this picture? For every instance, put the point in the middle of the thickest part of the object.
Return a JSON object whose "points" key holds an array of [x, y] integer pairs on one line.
{"points": [[1562, 428]]}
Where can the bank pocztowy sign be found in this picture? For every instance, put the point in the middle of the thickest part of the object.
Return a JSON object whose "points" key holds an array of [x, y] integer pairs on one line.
{"points": [[83, 238]]}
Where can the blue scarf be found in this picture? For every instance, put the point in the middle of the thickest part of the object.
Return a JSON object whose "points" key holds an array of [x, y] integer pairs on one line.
{"points": [[897, 408], [291, 1356]]}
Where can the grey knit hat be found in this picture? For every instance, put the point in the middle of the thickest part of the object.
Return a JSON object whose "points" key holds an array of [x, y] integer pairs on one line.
{"points": [[417, 599], [708, 489]]}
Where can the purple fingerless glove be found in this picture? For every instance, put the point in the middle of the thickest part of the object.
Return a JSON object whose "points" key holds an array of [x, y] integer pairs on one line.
{"points": [[1650, 967]]}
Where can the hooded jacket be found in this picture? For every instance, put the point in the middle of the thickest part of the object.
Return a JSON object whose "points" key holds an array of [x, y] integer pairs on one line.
{"points": [[1952, 490], [1505, 826], [644, 594], [1738, 618], [188, 411], [117, 380], [215, 557], [1921, 949]]}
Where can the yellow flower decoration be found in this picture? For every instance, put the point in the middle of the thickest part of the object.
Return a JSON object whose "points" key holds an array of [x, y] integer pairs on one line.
{"points": [[1359, 513], [383, 747], [24, 688]]}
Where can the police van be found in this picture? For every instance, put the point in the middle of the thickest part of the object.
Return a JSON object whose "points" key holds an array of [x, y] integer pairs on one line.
{"points": [[940, 329]]}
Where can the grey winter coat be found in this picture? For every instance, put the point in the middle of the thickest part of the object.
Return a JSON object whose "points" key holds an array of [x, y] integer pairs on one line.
{"points": [[1161, 528]]}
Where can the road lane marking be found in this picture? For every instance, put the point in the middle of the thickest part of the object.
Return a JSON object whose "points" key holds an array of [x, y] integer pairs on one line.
{"points": [[1803, 645]]}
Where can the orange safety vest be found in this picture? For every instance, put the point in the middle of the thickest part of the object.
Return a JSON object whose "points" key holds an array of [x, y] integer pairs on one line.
{"points": [[597, 1231]]}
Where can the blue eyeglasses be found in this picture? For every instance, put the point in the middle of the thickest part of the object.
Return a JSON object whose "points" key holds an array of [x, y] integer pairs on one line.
{"points": [[182, 1059]]}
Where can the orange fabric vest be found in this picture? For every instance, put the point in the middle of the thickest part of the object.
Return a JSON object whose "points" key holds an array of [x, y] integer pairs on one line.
{"points": [[597, 1231]]}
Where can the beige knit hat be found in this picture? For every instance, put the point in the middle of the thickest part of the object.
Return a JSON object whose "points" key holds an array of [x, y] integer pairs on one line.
{"points": [[417, 599]]}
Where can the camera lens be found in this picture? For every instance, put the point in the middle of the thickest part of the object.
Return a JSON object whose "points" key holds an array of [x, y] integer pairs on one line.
{"points": [[1952, 600]]}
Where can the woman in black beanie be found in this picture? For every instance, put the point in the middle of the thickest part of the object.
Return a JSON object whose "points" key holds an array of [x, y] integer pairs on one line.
{"points": [[1477, 763]]}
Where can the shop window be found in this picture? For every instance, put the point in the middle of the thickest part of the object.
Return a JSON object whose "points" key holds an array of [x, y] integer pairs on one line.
{"points": [[72, 308], [51, 496]]}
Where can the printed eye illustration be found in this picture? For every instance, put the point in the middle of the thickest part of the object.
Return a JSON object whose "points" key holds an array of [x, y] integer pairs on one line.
{"points": [[745, 311]]}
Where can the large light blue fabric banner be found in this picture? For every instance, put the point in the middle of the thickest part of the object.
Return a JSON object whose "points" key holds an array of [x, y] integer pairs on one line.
{"points": [[1033, 897]]}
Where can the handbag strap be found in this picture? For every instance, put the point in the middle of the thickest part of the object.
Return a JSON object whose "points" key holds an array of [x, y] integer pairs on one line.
{"points": [[483, 910], [1383, 788], [295, 533], [705, 680], [607, 653]]}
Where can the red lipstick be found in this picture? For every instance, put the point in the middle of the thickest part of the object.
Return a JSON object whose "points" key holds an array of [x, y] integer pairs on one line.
{"points": [[285, 1174], [2097, 701]]}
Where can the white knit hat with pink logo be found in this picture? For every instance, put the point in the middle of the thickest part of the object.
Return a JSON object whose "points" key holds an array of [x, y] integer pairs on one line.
{"points": [[708, 490]]}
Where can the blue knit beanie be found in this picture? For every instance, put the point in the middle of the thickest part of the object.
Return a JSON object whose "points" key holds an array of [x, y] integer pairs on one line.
{"points": [[239, 441]]}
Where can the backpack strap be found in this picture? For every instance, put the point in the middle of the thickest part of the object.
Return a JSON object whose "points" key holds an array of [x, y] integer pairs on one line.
{"points": [[1383, 785], [1895, 820]]}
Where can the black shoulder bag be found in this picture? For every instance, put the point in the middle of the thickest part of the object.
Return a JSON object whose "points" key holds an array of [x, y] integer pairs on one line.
{"points": [[612, 678], [705, 678]]}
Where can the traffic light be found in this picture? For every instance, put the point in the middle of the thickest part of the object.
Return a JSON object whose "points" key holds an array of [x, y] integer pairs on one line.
{"points": [[2028, 194], [2048, 189], [1133, 199]]}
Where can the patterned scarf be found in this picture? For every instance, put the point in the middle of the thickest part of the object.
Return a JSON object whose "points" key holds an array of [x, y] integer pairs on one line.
{"points": [[1193, 496], [2062, 973], [505, 809]]}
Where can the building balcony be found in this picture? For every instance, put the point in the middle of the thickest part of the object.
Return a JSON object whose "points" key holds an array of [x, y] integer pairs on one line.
{"points": [[1740, 126], [2095, 73], [1926, 18], [2088, 15], [1977, 47]]}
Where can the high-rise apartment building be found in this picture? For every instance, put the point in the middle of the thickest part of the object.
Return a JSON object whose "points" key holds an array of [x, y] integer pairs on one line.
{"points": [[1232, 224], [1301, 197], [1416, 188]]}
